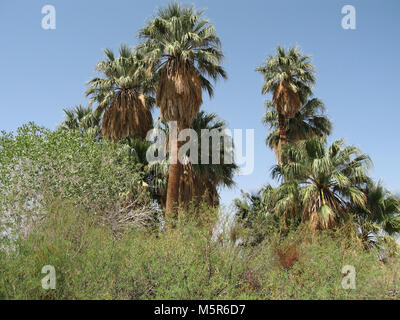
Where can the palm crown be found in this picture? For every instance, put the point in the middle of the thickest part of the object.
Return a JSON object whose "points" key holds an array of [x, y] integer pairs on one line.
{"points": [[184, 49], [81, 118], [201, 181], [216, 174], [308, 122], [326, 181], [122, 95], [381, 212], [289, 76]]}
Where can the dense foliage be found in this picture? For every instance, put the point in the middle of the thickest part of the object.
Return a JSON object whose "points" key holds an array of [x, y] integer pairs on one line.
{"points": [[187, 263], [38, 166], [85, 199]]}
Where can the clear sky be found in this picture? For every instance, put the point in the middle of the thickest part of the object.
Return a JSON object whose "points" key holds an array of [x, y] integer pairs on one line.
{"points": [[44, 71]]}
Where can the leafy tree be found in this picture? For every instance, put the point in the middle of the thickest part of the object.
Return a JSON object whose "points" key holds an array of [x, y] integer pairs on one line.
{"points": [[39, 167], [123, 95], [183, 49], [289, 76]]}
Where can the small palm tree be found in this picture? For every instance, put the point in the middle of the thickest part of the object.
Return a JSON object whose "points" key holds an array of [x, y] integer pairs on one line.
{"points": [[380, 215], [81, 118], [122, 95], [324, 182], [309, 121], [183, 49], [202, 181], [289, 76], [255, 213]]}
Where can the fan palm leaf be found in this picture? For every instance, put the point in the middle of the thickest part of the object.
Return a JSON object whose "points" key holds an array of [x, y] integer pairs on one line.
{"points": [[326, 181], [309, 121]]}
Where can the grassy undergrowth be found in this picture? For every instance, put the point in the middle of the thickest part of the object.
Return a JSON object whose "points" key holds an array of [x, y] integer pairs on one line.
{"points": [[186, 262]]}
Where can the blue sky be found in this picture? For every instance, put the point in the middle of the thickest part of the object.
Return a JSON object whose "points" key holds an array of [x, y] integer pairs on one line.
{"points": [[44, 71]]}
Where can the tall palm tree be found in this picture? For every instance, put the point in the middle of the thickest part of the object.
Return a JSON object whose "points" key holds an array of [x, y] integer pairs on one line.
{"points": [[326, 182], [289, 76], [81, 118], [183, 48], [123, 95], [309, 121]]}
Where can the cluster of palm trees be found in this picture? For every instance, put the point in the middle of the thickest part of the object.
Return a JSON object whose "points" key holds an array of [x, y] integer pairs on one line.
{"points": [[178, 57], [323, 186]]}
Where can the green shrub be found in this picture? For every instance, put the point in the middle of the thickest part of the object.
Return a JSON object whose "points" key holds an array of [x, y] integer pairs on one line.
{"points": [[76, 204], [38, 165], [308, 265], [182, 263]]}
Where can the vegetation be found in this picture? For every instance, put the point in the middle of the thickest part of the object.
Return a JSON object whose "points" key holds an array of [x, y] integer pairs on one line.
{"points": [[309, 121], [320, 182], [122, 95], [183, 49], [85, 199], [187, 263], [289, 76]]}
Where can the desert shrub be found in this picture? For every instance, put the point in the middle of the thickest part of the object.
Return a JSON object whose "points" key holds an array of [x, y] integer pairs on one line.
{"points": [[90, 263], [74, 243], [185, 263], [308, 265]]}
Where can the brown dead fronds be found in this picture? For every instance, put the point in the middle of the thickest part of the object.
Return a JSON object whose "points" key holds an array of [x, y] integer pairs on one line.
{"points": [[127, 116]]}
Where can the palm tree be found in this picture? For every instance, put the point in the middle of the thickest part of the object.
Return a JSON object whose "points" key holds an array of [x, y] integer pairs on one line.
{"points": [[200, 182], [309, 121], [183, 49], [122, 95], [81, 118], [255, 213], [289, 76], [379, 216], [324, 181]]}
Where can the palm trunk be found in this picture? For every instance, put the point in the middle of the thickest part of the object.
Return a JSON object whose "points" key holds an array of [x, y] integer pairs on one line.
{"points": [[282, 128], [282, 134], [174, 172]]}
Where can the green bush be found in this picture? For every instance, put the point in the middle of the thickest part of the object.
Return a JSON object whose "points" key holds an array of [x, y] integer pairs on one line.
{"points": [[38, 165]]}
